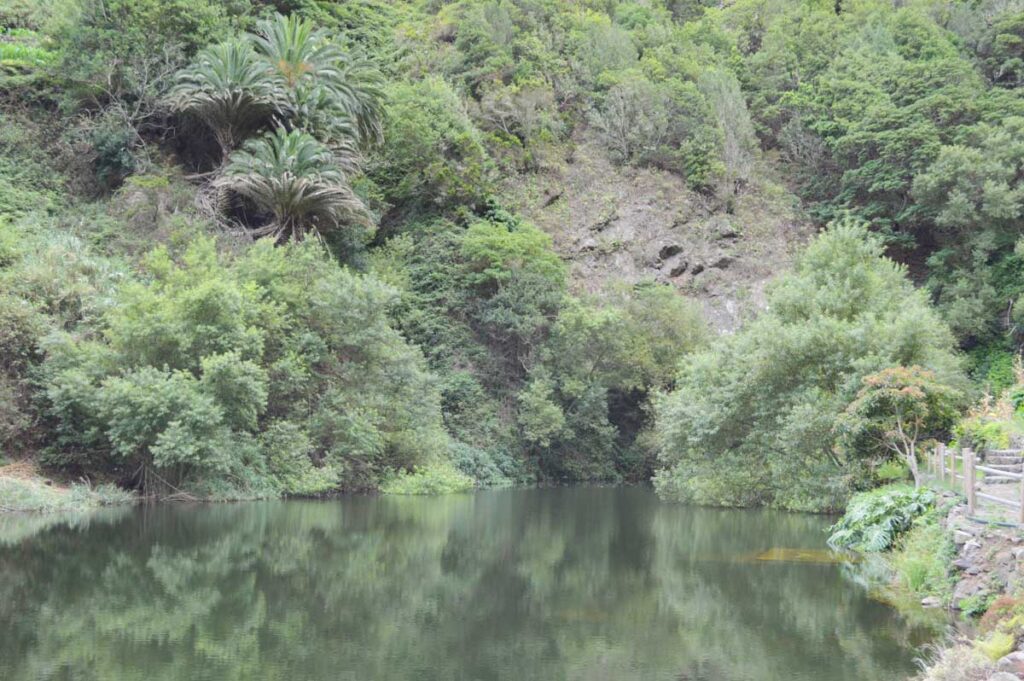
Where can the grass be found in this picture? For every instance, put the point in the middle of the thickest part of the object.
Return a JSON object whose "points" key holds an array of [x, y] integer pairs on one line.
{"points": [[922, 559], [957, 663], [21, 491]]}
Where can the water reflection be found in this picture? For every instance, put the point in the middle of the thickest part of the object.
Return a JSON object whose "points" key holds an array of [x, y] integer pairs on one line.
{"points": [[541, 584]]}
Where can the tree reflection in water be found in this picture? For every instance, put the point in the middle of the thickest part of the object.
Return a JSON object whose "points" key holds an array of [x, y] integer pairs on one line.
{"points": [[518, 584]]}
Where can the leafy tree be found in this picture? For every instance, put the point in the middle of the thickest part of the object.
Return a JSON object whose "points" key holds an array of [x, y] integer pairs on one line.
{"points": [[752, 420], [894, 411], [296, 180]]}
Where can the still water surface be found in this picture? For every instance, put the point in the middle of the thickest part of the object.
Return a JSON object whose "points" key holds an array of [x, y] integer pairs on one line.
{"points": [[514, 585]]}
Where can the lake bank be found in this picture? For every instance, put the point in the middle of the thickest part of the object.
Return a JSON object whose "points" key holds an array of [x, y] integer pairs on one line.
{"points": [[986, 574]]}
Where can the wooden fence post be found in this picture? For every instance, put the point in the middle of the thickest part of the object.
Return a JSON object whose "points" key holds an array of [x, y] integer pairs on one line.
{"points": [[969, 479], [952, 467], [940, 459], [1020, 511]]}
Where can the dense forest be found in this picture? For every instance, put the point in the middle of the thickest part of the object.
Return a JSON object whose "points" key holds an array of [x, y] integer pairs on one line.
{"points": [[256, 248]]}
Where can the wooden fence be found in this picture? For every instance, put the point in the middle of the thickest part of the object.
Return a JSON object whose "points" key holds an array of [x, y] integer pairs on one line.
{"points": [[962, 471]]}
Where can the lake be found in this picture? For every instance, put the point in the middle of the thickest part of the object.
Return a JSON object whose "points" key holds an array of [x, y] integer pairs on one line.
{"points": [[510, 585]]}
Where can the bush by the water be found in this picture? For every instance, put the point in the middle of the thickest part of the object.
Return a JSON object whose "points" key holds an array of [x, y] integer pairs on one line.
{"points": [[875, 520], [438, 477]]}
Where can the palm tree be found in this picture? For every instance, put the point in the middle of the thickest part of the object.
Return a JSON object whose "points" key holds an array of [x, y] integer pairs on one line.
{"points": [[231, 89], [296, 179], [327, 86]]}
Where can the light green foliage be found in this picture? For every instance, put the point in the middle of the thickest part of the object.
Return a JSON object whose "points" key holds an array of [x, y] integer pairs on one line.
{"points": [[433, 155], [432, 478], [922, 560], [247, 367], [24, 54], [37, 495], [540, 418], [753, 419], [996, 645], [875, 520], [28, 180]]}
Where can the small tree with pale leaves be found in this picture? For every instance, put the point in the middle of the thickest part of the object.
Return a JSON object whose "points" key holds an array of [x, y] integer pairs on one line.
{"points": [[894, 411]]}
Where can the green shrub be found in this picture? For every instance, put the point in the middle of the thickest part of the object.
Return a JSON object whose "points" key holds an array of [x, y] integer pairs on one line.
{"points": [[434, 478], [277, 370], [433, 156], [479, 464], [996, 645], [755, 415], [875, 520], [976, 606]]}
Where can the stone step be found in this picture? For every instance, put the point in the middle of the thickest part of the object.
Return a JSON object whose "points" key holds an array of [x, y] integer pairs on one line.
{"points": [[1003, 459], [1013, 467], [1005, 452]]}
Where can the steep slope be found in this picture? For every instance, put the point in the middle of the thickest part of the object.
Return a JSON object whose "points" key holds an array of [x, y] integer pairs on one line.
{"points": [[623, 223]]}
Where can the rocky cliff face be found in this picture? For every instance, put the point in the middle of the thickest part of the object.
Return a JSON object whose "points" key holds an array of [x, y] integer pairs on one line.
{"points": [[619, 223]]}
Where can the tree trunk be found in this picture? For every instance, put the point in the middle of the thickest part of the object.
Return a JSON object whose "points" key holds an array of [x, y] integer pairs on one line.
{"points": [[911, 457]]}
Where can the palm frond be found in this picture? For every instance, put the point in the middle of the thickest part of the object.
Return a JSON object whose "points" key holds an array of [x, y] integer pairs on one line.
{"points": [[230, 89], [296, 179]]}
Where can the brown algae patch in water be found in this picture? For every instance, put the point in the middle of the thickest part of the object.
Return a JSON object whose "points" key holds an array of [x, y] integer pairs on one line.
{"points": [[813, 556]]}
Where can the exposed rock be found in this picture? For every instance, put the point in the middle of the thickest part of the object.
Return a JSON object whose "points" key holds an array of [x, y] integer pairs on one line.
{"points": [[1013, 663], [723, 262], [550, 198], [722, 228], [677, 266], [669, 250], [1004, 676], [960, 537], [967, 588], [963, 564], [697, 269], [931, 602], [647, 209]]}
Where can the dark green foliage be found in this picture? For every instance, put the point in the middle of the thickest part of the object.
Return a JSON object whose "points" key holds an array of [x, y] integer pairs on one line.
{"points": [[560, 383]]}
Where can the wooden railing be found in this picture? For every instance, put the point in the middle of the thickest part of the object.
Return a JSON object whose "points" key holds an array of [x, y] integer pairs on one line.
{"points": [[959, 470]]}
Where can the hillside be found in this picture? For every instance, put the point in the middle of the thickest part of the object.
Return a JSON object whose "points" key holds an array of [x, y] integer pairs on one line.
{"points": [[257, 248]]}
